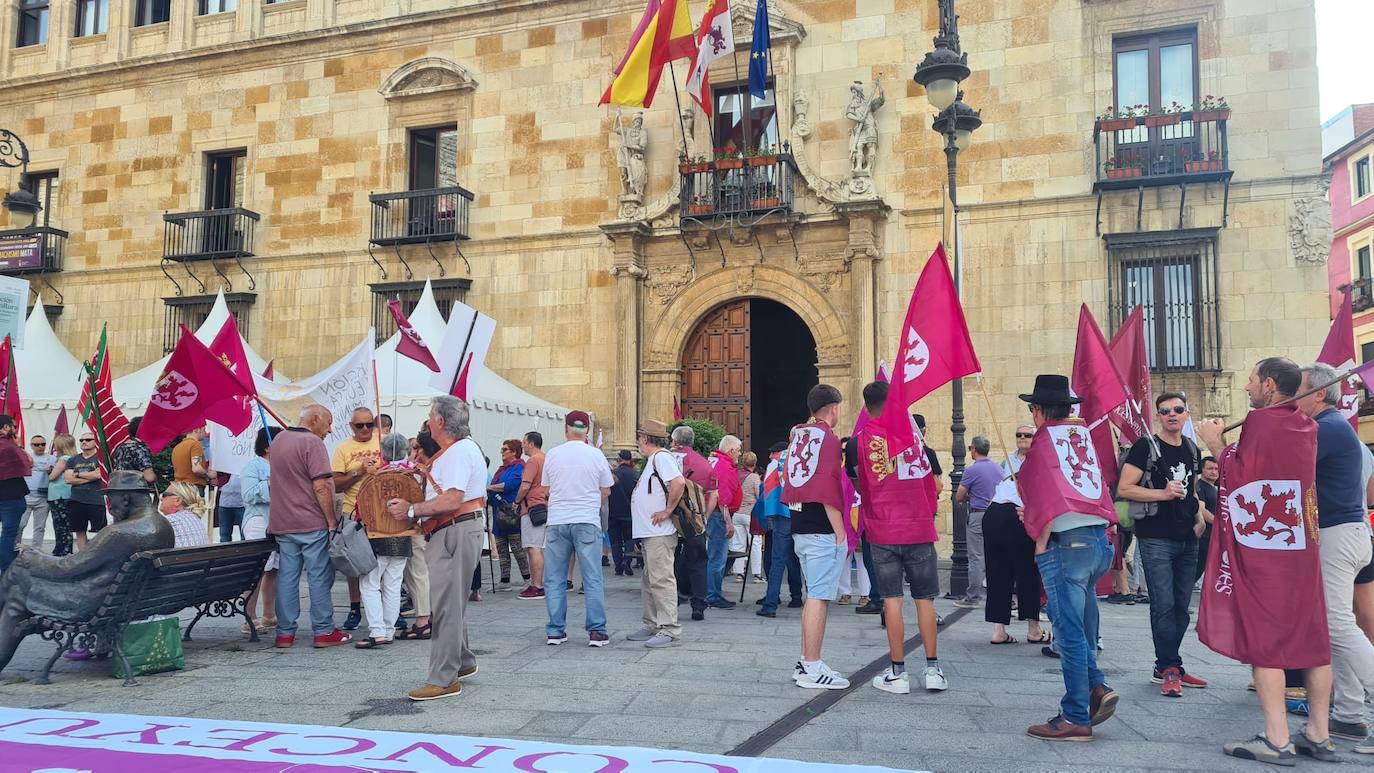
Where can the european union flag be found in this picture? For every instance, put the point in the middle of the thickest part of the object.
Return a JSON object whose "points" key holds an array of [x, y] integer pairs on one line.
{"points": [[759, 52]]}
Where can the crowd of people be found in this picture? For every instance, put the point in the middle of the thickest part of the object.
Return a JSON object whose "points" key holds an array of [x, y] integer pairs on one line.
{"points": [[690, 526]]}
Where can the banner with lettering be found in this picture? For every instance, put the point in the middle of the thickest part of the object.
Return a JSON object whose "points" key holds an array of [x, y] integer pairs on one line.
{"points": [[347, 384], [118, 743]]}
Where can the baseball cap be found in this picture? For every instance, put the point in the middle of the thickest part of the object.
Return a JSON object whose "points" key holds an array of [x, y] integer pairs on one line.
{"points": [[578, 419]]}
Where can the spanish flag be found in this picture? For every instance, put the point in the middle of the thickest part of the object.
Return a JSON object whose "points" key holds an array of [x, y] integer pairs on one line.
{"points": [[654, 43]]}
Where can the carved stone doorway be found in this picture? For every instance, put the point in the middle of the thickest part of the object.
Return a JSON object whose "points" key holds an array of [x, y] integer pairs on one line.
{"points": [[747, 366]]}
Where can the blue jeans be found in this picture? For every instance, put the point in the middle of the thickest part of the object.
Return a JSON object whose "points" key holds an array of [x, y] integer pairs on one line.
{"points": [[308, 553], [229, 517], [1070, 567], [784, 557], [561, 541], [874, 595], [11, 512], [1170, 566], [717, 546]]}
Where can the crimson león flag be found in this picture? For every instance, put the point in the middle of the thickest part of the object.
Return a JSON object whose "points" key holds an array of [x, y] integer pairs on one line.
{"points": [[62, 427], [1339, 352], [934, 349], [1262, 599], [1061, 475], [9, 389], [814, 467], [228, 347], [1098, 383], [1128, 352], [409, 344], [195, 387]]}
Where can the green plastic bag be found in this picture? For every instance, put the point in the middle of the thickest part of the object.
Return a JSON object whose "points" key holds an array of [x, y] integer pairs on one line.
{"points": [[1123, 514], [152, 646]]}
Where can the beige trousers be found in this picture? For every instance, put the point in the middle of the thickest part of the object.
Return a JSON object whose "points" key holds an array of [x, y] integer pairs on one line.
{"points": [[451, 555], [417, 576], [658, 585]]}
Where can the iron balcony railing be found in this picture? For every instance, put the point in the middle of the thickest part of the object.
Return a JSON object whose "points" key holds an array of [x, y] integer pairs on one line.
{"points": [[34, 250], [1361, 295], [734, 187], [413, 217], [209, 234], [1161, 150]]}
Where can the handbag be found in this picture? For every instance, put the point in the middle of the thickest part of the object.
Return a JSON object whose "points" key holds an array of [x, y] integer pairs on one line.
{"points": [[539, 515], [349, 550], [151, 647], [507, 519]]}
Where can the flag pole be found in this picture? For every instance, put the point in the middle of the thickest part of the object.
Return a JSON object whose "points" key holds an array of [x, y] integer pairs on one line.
{"points": [[457, 372], [1001, 441]]}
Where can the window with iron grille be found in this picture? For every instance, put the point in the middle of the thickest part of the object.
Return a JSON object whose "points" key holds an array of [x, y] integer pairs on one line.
{"points": [[446, 292], [1173, 276], [193, 310]]}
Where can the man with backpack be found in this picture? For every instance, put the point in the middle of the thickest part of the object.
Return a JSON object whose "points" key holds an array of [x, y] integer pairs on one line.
{"points": [[691, 554], [656, 496], [1159, 479]]}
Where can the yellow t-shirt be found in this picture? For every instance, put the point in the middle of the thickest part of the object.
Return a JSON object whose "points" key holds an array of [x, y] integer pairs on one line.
{"points": [[349, 456]]}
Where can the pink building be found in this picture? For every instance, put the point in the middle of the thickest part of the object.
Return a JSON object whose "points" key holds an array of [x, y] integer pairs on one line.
{"points": [[1351, 166]]}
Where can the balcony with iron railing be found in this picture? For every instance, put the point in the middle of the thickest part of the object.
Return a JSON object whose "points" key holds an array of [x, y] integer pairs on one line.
{"points": [[1361, 295], [1161, 149], [209, 234], [35, 250], [415, 217], [737, 187]]}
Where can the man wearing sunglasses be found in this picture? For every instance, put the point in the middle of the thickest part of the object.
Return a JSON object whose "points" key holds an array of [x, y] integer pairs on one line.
{"points": [[36, 501], [355, 459], [1159, 479]]}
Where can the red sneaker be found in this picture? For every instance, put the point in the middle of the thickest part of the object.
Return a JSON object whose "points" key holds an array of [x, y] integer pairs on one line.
{"points": [[332, 639], [1193, 681], [1173, 683], [531, 593], [287, 641]]}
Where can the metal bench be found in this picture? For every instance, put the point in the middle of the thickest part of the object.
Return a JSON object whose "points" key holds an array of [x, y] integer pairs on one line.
{"points": [[215, 579]]}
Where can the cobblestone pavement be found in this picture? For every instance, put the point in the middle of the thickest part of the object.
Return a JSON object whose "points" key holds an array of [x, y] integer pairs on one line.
{"points": [[727, 684]]}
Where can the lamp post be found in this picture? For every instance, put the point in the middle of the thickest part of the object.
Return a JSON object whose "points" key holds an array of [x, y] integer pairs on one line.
{"points": [[22, 204], [941, 72]]}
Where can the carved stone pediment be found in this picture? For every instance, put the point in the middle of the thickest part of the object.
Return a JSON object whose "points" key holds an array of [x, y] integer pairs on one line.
{"points": [[430, 75], [781, 30]]}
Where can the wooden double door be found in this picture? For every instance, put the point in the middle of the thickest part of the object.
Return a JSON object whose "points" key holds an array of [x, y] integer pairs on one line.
{"points": [[716, 377]]}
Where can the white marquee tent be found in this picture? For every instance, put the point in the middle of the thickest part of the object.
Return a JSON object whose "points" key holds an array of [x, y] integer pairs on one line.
{"points": [[49, 376]]}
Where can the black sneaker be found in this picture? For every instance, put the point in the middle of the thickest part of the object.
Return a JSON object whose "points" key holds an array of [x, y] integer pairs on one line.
{"points": [[1120, 598], [1142, 598], [871, 608], [1350, 731], [698, 614], [605, 561], [794, 604], [355, 619], [721, 604], [765, 612], [1049, 652], [629, 572]]}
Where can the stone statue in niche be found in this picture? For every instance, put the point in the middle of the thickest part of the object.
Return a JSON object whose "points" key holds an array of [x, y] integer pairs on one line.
{"points": [[630, 156], [863, 135], [689, 132]]}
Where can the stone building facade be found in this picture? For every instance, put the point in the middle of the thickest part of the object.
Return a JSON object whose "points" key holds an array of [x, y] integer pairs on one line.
{"points": [[617, 300]]}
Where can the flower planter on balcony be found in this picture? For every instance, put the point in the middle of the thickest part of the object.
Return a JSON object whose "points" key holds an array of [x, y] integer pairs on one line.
{"points": [[730, 163], [699, 209], [694, 167], [1130, 171], [1211, 115], [1203, 166], [1117, 124], [762, 160], [1167, 119], [765, 203]]}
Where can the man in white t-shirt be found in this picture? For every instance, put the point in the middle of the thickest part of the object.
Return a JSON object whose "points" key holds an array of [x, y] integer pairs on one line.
{"points": [[655, 495], [579, 480], [450, 518]]}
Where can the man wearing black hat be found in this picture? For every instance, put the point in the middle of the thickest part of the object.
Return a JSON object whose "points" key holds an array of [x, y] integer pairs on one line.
{"points": [[620, 527], [1067, 512]]}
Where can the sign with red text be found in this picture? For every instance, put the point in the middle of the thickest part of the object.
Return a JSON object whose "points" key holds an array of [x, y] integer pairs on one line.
{"points": [[33, 741]]}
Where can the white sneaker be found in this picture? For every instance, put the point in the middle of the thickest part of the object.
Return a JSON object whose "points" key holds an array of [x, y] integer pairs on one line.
{"points": [[899, 685], [798, 671], [644, 634], [823, 678], [935, 679], [662, 641]]}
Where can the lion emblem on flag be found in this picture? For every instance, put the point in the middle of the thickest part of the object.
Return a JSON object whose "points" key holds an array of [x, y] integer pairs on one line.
{"points": [[913, 464], [917, 356], [803, 455], [1268, 515], [1077, 459], [173, 392]]}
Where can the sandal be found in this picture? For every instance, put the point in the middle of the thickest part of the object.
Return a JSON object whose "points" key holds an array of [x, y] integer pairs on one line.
{"points": [[416, 633], [370, 643], [1043, 638], [1009, 640]]}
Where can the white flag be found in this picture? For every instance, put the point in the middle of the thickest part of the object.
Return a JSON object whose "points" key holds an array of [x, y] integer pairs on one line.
{"points": [[715, 39]]}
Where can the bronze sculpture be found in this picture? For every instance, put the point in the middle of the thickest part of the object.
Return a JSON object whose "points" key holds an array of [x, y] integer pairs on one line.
{"points": [[72, 587]]}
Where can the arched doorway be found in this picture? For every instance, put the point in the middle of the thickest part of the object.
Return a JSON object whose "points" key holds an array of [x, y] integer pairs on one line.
{"points": [[747, 366]]}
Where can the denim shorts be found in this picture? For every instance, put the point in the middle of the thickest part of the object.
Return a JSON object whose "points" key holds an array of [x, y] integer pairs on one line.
{"points": [[915, 563], [821, 559]]}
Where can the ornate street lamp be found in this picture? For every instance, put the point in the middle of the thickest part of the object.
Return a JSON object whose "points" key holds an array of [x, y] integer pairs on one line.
{"points": [[22, 204], [940, 73]]}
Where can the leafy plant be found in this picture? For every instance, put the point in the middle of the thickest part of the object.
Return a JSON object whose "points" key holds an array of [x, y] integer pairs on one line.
{"points": [[707, 434]]}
